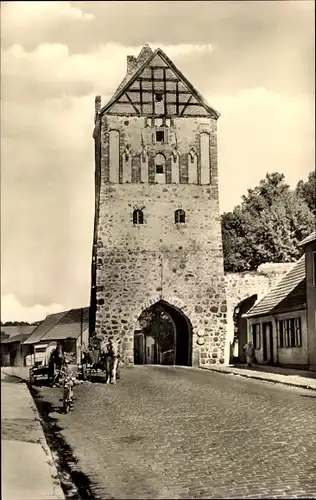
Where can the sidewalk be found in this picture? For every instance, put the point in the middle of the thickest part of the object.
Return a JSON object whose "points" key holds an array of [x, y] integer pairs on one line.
{"points": [[27, 467], [286, 376]]}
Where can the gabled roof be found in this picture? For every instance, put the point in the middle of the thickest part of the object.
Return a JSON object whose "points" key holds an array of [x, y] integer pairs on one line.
{"points": [[71, 325], [311, 237], [129, 79], [290, 283], [18, 329], [44, 327], [20, 337]]}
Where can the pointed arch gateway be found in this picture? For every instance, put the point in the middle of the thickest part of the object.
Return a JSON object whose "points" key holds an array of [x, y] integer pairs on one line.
{"points": [[163, 336]]}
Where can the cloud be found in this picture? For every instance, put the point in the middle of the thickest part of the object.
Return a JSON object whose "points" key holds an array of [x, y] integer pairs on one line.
{"points": [[254, 64], [30, 23], [259, 132], [13, 310], [50, 70]]}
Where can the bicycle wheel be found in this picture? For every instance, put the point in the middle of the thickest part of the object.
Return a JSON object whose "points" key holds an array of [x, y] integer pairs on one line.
{"points": [[66, 400]]}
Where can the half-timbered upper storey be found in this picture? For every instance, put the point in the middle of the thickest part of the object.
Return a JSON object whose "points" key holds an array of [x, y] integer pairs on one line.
{"points": [[153, 86]]}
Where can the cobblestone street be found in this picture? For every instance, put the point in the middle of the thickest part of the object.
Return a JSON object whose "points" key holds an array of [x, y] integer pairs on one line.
{"points": [[184, 433]]}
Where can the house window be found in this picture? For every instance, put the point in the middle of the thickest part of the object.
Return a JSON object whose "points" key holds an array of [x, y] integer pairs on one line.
{"points": [[160, 135], [179, 217], [159, 169], [314, 268], [168, 122], [158, 96], [138, 217], [290, 332], [255, 331]]}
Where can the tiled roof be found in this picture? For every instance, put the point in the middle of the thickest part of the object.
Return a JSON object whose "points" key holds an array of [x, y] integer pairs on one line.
{"points": [[16, 330], [308, 239], [44, 327], [71, 325], [20, 337], [290, 283]]}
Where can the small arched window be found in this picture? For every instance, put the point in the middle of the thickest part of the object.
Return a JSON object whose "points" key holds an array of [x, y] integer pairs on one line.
{"points": [[179, 217], [138, 217]]}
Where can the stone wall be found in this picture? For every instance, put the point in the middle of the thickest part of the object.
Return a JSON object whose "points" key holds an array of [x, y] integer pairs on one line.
{"points": [[138, 265], [182, 264], [239, 286]]}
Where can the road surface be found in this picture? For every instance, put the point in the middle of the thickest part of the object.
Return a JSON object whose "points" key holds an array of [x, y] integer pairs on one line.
{"points": [[166, 432]]}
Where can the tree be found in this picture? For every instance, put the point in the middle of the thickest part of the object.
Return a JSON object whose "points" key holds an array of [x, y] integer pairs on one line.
{"points": [[15, 323], [4, 335], [307, 191], [267, 226]]}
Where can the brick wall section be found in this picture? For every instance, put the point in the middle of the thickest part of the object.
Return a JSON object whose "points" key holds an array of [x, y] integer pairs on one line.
{"points": [[181, 264]]}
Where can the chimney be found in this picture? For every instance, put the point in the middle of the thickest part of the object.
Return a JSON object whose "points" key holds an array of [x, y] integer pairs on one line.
{"points": [[131, 64], [97, 105]]}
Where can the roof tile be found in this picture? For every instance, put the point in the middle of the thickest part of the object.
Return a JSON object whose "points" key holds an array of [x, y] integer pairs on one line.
{"points": [[44, 327], [288, 283], [71, 325]]}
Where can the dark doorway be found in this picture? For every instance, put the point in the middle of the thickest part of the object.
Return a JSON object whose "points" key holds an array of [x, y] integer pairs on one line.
{"points": [[164, 337], [267, 342], [240, 327]]}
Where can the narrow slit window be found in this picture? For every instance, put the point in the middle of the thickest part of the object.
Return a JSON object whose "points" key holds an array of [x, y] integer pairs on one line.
{"points": [[138, 217], [179, 217]]}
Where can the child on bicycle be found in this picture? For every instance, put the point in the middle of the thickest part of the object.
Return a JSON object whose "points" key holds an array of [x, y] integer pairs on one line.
{"points": [[69, 375]]}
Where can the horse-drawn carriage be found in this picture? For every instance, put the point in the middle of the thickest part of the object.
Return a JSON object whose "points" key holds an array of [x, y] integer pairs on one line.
{"points": [[100, 356]]}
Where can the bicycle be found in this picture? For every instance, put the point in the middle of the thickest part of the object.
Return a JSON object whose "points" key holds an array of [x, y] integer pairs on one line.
{"points": [[68, 398]]}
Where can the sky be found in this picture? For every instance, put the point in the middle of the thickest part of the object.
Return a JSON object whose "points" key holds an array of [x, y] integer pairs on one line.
{"points": [[252, 61]]}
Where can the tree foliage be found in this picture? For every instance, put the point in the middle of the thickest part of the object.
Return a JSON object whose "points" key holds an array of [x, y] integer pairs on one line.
{"points": [[307, 191], [4, 335], [16, 323], [266, 227]]}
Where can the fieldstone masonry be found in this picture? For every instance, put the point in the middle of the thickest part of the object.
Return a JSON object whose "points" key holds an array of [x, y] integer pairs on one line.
{"points": [[240, 286], [137, 265]]}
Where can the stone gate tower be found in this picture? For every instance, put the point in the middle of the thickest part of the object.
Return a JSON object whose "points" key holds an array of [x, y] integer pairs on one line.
{"points": [[157, 234]]}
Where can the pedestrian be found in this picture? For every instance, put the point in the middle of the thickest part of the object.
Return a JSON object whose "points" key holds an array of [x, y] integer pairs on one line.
{"points": [[250, 353]]}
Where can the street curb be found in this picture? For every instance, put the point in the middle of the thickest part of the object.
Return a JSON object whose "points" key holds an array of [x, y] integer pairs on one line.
{"points": [[58, 491], [265, 379]]}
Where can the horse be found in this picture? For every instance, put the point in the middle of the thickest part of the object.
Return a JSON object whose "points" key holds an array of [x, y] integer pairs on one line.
{"points": [[110, 352]]}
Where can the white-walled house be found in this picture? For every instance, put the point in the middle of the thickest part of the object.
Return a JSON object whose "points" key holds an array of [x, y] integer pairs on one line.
{"points": [[277, 324], [69, 327]]}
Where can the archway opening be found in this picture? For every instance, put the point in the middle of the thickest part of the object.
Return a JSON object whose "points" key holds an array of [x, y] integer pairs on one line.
{"points": [[163, 336], [240, 328]]}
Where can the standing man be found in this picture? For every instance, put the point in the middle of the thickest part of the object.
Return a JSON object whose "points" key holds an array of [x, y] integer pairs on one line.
{"points": [[250, 353]]}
